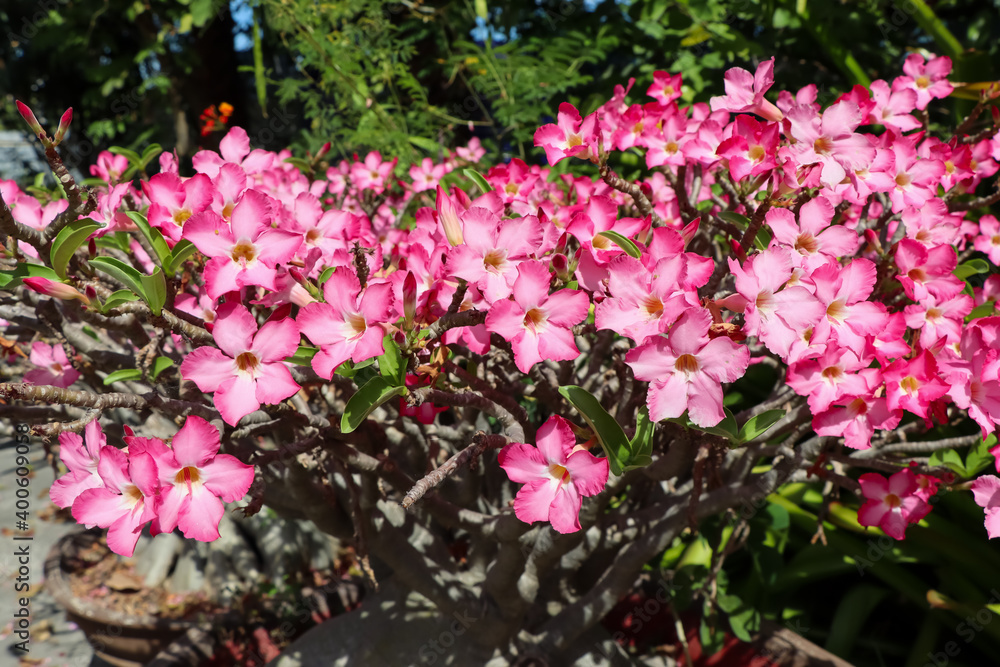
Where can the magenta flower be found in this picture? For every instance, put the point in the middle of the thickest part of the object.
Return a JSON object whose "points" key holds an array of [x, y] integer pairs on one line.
{"points": [[235, 149], [196, 479], [125, 503], [928, 80], [556, 476], [830, 140], [244, 253], [348, 325], [249, 368], [892, 503], [986, 491], [570, 136], [80, 455], [53, 366], [173, 201], [535, 322], [686, 369], [492, 249]]}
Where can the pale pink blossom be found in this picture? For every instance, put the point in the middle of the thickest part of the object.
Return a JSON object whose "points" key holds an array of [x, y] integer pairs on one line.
{"points": [[892, 503]]}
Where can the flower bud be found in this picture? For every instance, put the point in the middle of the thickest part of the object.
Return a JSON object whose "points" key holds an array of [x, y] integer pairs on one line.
{"points": [[409, 300], [64, 122], [55, 289], [560, 264], [690, 230], [448, 217], [30, 119], [323, 150]]}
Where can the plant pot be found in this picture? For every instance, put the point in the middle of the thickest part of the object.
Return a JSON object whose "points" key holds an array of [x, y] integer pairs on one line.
{"points": [[120, 638]]}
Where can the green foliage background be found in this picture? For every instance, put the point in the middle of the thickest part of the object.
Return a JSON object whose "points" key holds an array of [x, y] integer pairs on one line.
{"points": [[406, 78]]}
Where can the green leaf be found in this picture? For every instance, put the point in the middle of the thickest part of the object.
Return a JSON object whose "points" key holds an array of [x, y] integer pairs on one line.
{"points": [[123, 375], [426, 144], [151, 151], [734, 218], [130, 154], [949, 458], [363, 403], [327, 272], [260, 80], [303, 356], [642, 442], [759, 423], [971, 267], [478, 179], [727, 428], [979, 456], [161, 364], [118, 298], [745, 623], [69, 238], [152, 235], [11, 279], [609, 433], [391, 364], [180, 253], [154, 290], [299, 163], [623, 242]]}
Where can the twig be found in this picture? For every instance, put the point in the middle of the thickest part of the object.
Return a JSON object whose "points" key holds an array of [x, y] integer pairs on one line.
{"points": [[467, 318], [480, 443], [473, 399]]}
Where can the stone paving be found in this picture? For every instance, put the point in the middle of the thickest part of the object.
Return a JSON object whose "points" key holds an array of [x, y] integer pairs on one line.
{"points": [[52, 640]]}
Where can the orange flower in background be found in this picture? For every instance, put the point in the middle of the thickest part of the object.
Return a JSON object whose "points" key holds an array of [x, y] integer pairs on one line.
{"points": [[214, 120]]}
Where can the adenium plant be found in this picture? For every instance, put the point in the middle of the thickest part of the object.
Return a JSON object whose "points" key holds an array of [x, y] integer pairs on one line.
{"points": [[589, 327]]}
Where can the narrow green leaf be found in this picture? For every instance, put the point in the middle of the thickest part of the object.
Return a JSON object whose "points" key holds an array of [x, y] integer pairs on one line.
{"points": [[426, 144], [609, 433], [303, 356], [118, 298], [363, 403], [327, 272], [478, 179], [623, 242], [152, 235], [160, 364], [391, 364], [299, 163], [759, 423], [123, 375], [260, 80], [69, 238], [120, 271], [151, 151], [734, 218], [642, 441], [154, 290], [11, 279], [178, 256], [971, 267], [130, 154]]}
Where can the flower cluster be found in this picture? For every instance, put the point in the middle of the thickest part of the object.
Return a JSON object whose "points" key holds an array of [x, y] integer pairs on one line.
{"points": [[767, 231], [181, 485]]}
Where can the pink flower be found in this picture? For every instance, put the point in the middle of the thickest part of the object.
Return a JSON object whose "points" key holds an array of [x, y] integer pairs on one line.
{"points": [[235, 149], [893, 503], [245, 252], [173, 201], [855, 417], [988, 240], [55, 289], [892, 107], [348, 325], [109, 167], [196, 480], [745, 92], [812, 238], [642, 303], [913, 384], [685, 369], [986, 491], [249, 368], [538, 323], [53, 366], [125, 503], [80, 456], [570, 136], [666, 87], [492, 250], [830, 140], [928, 80], [850, 317], [556, 476]]}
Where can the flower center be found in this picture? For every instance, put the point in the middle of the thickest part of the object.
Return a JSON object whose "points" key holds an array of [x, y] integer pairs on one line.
{"points": [[806, 243], [558, 472], [893, 501], [934, 314], [833, 373], [671, 147], [686, 363], [511, 189], [574, 141], [56, 368], [837, 310], [357, 323], [181, 216], [923, 82], [495, 260], [227, 210], [653, 307], [857, 407], [902, 180], [247, 362], [909, 384], [917, 274], [600, 242], [823, 145], [312, 235], [534, 319], [244, 252], [756, 153], [188, 475], [133, 494]]}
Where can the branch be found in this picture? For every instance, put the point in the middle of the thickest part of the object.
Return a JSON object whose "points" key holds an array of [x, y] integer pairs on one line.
{"points": [[480, 443], [11, 227], [473, 399], [466, 318], [633, 190]]}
